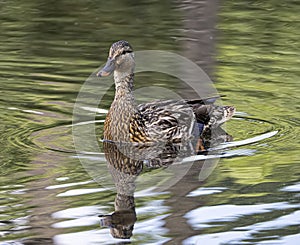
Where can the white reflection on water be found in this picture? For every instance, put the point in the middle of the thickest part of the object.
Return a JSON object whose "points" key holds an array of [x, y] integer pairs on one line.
{"points": [[84, 221], [153, 227], [219, 238], [237, 237], [78, 192], [152, 207], [79, 212], [283, 221], [228, 213], [80, 216], [291, 239], [292, 188], [246, 141], [68, 185], [86, 237], [206, 191]]}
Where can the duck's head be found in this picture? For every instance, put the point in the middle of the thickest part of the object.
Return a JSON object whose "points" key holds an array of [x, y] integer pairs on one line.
{"points": [[120, 59]]}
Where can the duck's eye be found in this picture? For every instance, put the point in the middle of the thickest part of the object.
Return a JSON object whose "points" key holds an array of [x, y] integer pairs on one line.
{"points": [[126, 51]]}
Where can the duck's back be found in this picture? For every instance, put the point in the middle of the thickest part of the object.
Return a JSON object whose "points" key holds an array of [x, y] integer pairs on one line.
{"points": [[168, 120]]}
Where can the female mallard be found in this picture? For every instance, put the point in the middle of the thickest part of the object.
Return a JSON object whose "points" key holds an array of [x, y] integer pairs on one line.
{"points": [[168, 121]]}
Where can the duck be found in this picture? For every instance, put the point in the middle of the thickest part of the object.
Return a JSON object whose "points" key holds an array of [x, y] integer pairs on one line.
{"points": [[169, 121]]}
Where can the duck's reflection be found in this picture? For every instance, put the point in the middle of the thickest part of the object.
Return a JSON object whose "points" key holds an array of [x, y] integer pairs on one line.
{"points": [[124, 170], [121, 221], [126, 162]]}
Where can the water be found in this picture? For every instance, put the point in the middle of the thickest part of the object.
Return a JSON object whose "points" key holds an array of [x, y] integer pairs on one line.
{"points": [[251, 196]]}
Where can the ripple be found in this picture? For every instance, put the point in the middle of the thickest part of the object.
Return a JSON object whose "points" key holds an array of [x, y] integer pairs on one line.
{"points": [[245, 130], [273, 132], [246, 141], [55, 139]]}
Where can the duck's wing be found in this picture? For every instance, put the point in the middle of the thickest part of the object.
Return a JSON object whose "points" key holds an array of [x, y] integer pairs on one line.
{"points": [[156, 108], [168, 120], [202, 108], [204, 101], [173, 105], [175, 113]]}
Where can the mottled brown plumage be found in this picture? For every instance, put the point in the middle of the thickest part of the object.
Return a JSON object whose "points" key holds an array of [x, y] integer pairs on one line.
{"points": [[159, 121]]}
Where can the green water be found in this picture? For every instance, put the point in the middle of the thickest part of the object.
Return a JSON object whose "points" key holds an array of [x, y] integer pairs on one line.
{"points": [[49, 49]]}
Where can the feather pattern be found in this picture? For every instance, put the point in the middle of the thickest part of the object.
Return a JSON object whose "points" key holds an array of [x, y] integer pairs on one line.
{"points": [[170, 121]]}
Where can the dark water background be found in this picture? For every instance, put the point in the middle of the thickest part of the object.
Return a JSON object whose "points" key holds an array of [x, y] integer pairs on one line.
{"points": [[49, 48]]}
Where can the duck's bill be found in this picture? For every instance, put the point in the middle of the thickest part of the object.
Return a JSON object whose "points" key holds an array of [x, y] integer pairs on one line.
{"points": [[107, 69]]}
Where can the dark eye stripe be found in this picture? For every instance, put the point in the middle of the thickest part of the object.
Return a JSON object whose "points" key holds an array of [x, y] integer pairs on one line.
{"points": [[126, 51]]}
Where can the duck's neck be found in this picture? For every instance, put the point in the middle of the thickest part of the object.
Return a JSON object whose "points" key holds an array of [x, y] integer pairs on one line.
{"points": [[116, 126], [123, 82], [124, 99]]}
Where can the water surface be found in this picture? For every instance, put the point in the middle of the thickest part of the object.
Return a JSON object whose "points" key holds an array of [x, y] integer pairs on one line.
{"points": [[49, 49]]}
